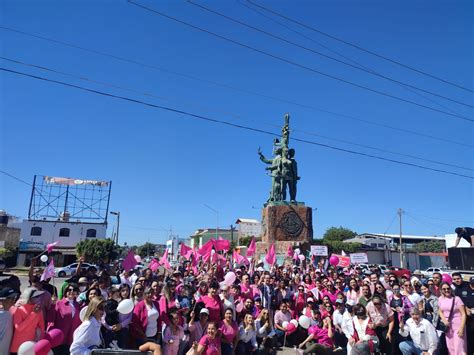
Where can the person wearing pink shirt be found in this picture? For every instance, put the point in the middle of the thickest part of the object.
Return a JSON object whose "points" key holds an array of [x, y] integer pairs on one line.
{"points": [[28, 319], [66, 317], [172, 335], [213, 303], [354, 291], [168, 302], [245, 288], [319, 339], [229, 331], [210, 344]]}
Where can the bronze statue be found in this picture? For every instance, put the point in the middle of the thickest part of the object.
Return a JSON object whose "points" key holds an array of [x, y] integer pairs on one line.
{"points": [[283, 167]]}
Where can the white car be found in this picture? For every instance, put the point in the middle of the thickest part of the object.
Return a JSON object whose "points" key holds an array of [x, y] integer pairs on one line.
{"points": [[71, 269], [431, 270]]}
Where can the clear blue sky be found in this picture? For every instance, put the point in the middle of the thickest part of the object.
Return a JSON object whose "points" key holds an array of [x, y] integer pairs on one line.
{"points": [[165, 166]]}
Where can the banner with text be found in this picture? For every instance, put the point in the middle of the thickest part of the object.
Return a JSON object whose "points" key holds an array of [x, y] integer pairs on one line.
{"points": [[319, 250], [357, 258]]}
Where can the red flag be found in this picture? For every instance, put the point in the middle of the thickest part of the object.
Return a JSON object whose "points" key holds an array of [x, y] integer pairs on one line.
{"points": [[290, 251], [270, 258], [154, 265], [129, 262], [252, 247], [49, 247], [48, 272], [185, 251], [221, 244], [164, 260]]}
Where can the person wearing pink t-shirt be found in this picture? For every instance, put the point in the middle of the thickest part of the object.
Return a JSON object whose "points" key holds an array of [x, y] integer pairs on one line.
{"points": [[228, 330], [172, 335], [213, 303], [210, 344], [320, 338]]}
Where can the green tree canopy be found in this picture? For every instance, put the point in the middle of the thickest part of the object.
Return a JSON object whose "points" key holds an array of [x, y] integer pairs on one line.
{"points": [[146, 249], [334, 237], [338, 234], [97, 251], [432, 246]]}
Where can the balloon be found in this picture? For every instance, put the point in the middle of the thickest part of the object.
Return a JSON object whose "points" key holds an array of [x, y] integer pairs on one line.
{"points": [[42, 347], [285, 324], [44, 258], [294, 321], [82, 314], [55, 337], [305, 322], [291, 328], [334, 260], [27, 348], [301, 257], [138, 258], [125, 306], [446, 278], [229, 278]]}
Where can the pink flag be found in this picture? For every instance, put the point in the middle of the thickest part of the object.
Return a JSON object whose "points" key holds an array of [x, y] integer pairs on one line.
{"points": [[185, 251], [206, 248], [48, 272], [290, 251], [239, 259], [221, 244], [154, 265], [129, 262], [49, 247], [270, 258], [164, 260], [252, 247]]}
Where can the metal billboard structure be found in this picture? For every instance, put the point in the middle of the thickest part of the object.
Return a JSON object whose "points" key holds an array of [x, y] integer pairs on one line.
{"points": [[66, 199]]}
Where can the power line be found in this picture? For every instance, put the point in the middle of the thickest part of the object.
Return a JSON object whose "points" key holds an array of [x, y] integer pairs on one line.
{"points": [[284, 60], [390, 225], [360, 48], [227, 123], [301, 34], [15, 178], [325, 55], [82, 77], [234, 88]]}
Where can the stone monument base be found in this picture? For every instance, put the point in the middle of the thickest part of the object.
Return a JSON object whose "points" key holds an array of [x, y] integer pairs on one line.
{"points": [[285, 224]]}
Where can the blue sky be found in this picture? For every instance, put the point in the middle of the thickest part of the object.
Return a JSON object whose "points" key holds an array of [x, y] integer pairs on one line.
{"points": [[165, 166]]}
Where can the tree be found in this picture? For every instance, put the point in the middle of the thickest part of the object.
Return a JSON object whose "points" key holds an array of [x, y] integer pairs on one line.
{"points": [[339, 234], [433, 246], [6, 252], [146, 249], [98, 251], [334, 239]]}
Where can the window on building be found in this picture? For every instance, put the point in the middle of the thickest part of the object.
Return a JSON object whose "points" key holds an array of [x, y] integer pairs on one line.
{"points": [[36, 231], [64, 232], [91, 233]]}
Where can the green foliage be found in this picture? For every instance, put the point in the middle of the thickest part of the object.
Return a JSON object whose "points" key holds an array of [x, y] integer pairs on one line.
{"points": [[245, 241], [434, 246], [338, 234], [145, 249], [97, 251], [6, 252]]}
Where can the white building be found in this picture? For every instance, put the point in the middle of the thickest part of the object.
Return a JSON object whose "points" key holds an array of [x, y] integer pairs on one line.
{"points": [[248, 228], [35, 235]]}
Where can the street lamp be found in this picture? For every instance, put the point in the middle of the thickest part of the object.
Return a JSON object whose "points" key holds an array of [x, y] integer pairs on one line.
{"points": [[217, 216], [118, 224]]}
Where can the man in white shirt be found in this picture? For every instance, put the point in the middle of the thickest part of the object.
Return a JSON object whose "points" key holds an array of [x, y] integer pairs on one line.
{"points": [[423, 334]]}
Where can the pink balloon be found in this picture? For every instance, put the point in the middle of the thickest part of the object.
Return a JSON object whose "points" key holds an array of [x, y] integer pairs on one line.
{"points": [[446, 278], [55, 337], [42, 347], [334, 260], [138, 258], [290, 328], [301, 257]]}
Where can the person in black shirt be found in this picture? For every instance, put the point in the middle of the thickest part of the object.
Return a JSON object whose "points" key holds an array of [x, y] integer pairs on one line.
{"points": [[460, 286], [466, 233]]}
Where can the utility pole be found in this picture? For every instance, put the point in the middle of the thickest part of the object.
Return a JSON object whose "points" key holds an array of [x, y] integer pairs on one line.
{"points": [[400, 213], [118, 225]]}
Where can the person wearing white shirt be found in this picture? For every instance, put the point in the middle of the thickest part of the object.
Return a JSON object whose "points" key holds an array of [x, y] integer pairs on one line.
{"points": [[87, 335], [247, 336], [424, 338]]}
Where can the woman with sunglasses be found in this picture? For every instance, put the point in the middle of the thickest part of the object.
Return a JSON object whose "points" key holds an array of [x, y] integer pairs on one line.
{"points": [[247, 336], [364, 339], [299, 300], [384, 294], [137, 293], [383, 322], [145, 319], [264, 328], [213, 303], [172, 334], [66, 317], [87, 335], [453, 315]]}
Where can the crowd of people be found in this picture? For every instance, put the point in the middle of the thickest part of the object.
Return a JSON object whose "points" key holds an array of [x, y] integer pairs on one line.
{"points": [[223, 310]]}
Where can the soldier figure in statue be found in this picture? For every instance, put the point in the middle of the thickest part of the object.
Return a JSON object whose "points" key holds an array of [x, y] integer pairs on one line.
{"points": [[283, 167]]}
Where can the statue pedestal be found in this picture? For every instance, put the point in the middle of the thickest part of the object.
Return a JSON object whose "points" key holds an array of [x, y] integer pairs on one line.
{"points": [[285, 224]]}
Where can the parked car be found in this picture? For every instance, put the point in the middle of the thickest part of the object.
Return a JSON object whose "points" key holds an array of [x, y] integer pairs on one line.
{"points": [[431, 270], [399, 272], [71, 269]]}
